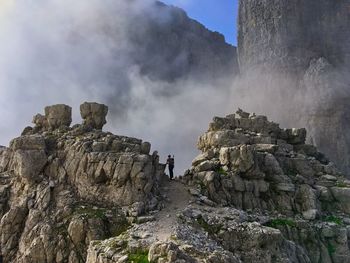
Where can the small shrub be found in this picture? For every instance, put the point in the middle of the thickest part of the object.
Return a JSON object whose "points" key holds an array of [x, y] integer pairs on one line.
{"points": [[333, 219]]}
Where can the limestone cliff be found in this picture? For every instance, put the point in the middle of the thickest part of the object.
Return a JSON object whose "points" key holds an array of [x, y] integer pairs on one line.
{"points": [[287, 35], [306, 42]]}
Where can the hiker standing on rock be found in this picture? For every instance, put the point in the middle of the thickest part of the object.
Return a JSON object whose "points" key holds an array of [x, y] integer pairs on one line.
{"points": [[171, 164], [52, 184]]}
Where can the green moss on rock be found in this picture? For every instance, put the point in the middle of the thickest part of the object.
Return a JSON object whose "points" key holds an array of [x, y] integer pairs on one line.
{"points": [[138, 257]]}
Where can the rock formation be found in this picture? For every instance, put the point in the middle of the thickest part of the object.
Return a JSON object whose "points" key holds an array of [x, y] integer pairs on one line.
{"points": [[253, 165], [306, 43], [94, 114], [63, 187], [55, 117], [256, 193]]}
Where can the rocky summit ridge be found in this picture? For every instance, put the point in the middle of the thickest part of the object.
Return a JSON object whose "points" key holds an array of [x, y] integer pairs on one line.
{"points": [[256, 193]]}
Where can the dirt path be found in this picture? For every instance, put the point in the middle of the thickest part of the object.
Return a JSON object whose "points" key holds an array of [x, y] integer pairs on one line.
{"points": [[178, 199]]}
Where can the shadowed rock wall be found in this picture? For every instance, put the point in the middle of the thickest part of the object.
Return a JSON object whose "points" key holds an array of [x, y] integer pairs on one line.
{"points": [[306, 43]]}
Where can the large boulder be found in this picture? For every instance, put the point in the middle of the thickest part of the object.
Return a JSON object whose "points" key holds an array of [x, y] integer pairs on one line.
{"points": [[29, 156], [94, 114], [29, 164], [26, 143], [58, 115]]}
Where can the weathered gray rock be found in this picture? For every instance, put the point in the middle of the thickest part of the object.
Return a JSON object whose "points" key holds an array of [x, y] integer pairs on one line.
{"points": [[29, 164], [29, 156], [145, 148], [40, 121], [342, 195], [57, 116], [27, 143], [94, 114], [285, 171], [11, 226]]}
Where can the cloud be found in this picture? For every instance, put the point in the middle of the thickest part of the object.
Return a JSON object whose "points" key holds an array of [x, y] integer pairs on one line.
{"points": [[59, 51]]}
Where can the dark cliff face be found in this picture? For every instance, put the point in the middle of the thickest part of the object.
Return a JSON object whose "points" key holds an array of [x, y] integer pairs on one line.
{"points": [[306, 43], [162, 44], [287, 35], [168, 46], [173, 46]]}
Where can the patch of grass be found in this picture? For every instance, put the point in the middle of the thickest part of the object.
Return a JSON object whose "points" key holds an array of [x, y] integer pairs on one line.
{"points": [[275, 223], [91, 213], [341, 184], [138, 257], [333, 219], [221, 171]]}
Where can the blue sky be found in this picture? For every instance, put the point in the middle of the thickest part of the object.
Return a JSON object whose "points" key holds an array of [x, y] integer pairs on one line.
{"points": [[217, 15]]}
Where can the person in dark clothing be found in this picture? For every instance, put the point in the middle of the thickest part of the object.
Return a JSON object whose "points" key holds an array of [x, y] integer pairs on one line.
{"points": [[171, 164]]}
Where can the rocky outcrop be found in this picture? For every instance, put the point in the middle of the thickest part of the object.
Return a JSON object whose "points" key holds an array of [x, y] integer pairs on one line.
{"points": [[305, 44], [29, 157], [252, 164], [63, 187], [94, 114], [260, 194], [186, 246], [55, 117]]}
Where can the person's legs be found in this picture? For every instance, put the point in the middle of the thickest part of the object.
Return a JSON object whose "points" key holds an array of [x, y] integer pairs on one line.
{"points": [[171, 172]]}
